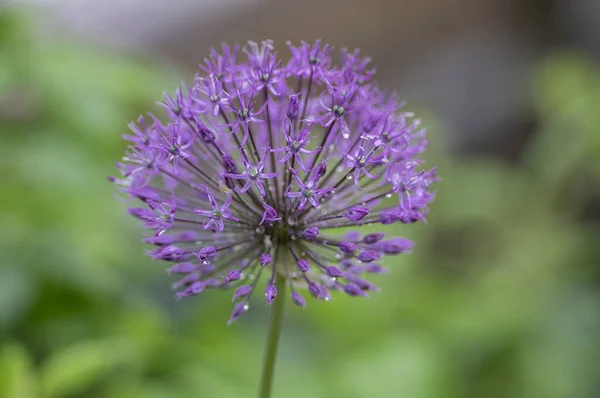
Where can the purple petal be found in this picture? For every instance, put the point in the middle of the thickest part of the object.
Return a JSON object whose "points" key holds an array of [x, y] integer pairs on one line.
{"points": [[207, 253], [353, 290], [182, 268], [238, 310], [368, 256], [232, 276], [357, 213], [270, 293], [298, 299], [242, 291], [303, 265], [334, 272], [311, 233], [347, 247], [396, 245], [373, 238], [265, 259]]}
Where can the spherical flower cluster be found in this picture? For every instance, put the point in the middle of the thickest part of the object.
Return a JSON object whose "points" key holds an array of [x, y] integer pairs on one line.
{"points": [[259, 160]]}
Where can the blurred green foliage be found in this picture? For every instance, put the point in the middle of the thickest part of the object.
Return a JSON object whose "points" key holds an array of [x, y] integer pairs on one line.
{"points": [[501, 297]]}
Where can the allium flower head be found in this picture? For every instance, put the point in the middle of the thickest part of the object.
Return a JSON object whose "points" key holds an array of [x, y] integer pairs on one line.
{"points": [[258, 163]]}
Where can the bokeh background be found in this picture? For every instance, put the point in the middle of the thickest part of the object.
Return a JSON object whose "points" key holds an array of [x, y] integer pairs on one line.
{"points": [[501, 297]]}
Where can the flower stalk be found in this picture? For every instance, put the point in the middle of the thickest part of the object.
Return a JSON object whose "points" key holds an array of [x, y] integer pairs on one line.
{"points": [[272, 346]]}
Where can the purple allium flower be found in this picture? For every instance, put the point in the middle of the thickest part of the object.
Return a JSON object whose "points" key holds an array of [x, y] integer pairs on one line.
{"points": [[238, 310], [233, 275], [242, 291], [182, 268], [347, 247], [270, 293], [311, 233], [260, 161], [270, 215], [265, 259], [298, 299], [357, 213], [303, 265], [354, 290], [373, 238], [368, 256], [334, 272], [396, 245], [207, 253]]}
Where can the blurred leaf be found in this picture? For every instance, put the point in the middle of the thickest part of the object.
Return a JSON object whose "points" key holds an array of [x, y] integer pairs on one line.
{"points": [[146, 389], [203, 381], [400, 365], [14, 49], [568, 96], [560, 353], [80, 366], [16, 292], [17, 377]]}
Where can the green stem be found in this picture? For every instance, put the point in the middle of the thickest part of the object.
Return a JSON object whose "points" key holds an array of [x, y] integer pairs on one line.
{"points": [[275, 322]]}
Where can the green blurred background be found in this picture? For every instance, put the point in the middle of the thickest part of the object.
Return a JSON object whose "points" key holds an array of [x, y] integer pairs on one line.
{"points": [[501, 297]]}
